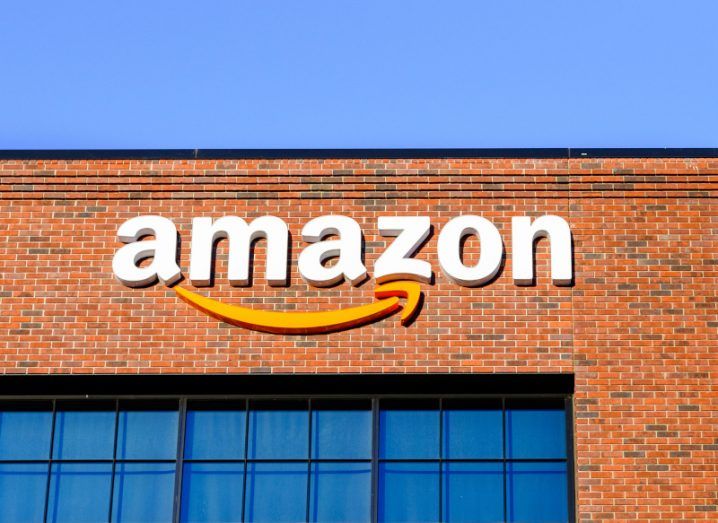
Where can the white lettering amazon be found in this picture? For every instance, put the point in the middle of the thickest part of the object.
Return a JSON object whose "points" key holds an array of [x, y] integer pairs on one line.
{"points": [[339, 238]]}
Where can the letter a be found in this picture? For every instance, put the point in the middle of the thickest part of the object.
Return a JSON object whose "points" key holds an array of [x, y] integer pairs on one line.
{"points": [[162, 250], [347, 249]]}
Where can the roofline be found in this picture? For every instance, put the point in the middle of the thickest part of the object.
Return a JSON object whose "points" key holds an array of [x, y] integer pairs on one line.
{"points": [[321, 154]]}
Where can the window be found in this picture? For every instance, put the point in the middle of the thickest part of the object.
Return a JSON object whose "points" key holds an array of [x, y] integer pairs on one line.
{"points": [[254, 459]]}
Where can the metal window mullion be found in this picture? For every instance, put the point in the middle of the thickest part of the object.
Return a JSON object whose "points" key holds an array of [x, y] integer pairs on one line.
{"points": [[309, 461], [279, 460], [24, 461], [239, 460], [114, 461], [441, 460], [503, 455], [49, 463], [374, 460], [179, 462], [246, 452], [99, 460], [471, 460]]}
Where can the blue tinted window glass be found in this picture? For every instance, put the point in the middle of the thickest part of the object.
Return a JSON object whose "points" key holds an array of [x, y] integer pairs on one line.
{"points": [[276, 492], [79, 492], [536, 492], [25, 435], [340, 492], [535, 433], [143, 492], [473, 492], [215, 434], [409, 492], [341, 434], [84, 435], [473, 434], [409, 434], [147, 434], [278, 434], [212, 492], [22, 492]]}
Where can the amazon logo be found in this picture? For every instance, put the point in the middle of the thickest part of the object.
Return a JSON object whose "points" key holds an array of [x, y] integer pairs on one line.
{"points": [[398, 272]]}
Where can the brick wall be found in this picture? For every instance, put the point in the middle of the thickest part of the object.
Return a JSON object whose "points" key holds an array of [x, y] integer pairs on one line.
{"points": [[638, 329]]}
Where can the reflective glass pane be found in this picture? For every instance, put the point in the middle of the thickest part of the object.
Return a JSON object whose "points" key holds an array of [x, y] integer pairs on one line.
{"points": [[147, 434], [22, 492], [409, 492], [143, 492], [215, 434], [84, 435], [408, 433], [473, 433], [212, 492], [340, 492], [276, 492], [536, 492], [79, 492], [341, 434], [25, 435], [278, 434], [535, 433], [473, 492]]}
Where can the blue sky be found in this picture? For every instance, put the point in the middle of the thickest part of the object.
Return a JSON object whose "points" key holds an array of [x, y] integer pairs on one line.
{"points": [[390, 73]]}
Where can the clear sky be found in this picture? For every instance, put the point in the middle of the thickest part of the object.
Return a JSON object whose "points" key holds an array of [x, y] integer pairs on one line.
{"points": [[340, 73]]}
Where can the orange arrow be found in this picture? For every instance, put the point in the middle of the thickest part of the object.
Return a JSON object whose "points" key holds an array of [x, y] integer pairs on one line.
{"points": [[313, 322]]}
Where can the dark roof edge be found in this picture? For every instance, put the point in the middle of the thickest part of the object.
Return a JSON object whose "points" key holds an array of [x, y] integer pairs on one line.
{"points": [[318, 154]]}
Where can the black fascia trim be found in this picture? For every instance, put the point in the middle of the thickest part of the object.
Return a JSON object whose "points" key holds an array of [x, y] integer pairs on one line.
{"points": [[274, 154], [704, 152], [15, 386], [389, 154], [98, 154], [368, 154]]}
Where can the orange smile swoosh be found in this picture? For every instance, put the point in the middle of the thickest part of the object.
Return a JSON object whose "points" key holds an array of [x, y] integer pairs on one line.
{"points": [[313, 322]]}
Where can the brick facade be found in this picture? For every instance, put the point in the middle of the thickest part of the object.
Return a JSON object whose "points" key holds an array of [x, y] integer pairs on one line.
{"points": [[638, 328]]}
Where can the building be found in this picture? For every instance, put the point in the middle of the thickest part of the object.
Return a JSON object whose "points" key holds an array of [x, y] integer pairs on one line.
{"points": [[493, 375]]}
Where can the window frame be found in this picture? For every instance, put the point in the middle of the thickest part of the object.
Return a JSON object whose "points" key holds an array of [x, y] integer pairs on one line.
{"points": [[183, 400]]}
